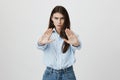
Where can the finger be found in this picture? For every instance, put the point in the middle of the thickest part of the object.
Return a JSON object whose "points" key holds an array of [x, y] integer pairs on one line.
{"points": [[70, 32], [73, 34], [66, 40], [48, 31], [67, 32]]}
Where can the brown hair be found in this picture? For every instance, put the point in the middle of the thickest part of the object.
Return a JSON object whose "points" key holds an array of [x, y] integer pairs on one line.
{"points": [[63, 11]]}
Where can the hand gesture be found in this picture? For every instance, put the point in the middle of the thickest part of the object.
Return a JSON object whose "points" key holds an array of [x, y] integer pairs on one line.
{"points": [[72, 38], [45, 38]]}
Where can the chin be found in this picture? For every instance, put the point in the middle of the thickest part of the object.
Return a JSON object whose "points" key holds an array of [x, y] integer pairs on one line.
{"points": [[58, 27]]}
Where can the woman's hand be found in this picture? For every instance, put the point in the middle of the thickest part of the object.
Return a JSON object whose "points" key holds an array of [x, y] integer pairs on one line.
{"points": [[72, 38], [45, 38]]}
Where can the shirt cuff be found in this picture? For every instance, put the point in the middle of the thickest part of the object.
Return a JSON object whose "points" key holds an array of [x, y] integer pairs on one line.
{"points": [[42, 47], [76, 47]]}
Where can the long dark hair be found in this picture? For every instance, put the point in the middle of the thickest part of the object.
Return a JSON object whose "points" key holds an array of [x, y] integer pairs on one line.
{"points": [[63, 11]]}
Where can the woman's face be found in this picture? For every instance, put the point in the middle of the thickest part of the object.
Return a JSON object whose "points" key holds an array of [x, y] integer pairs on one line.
{"points": [[58, 20]]}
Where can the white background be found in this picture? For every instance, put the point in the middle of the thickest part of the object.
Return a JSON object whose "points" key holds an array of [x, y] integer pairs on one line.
{"points": [[96, 21]]}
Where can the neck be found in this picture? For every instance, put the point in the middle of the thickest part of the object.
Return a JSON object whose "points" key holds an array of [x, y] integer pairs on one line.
{"points": [[58, 31]]}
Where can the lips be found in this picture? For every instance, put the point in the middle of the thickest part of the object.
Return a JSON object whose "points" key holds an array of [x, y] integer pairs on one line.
{"points": [[58, 25]]}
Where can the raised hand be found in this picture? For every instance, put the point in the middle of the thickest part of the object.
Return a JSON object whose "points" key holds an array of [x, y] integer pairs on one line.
{"points": [[72, 38], [45, 38]]}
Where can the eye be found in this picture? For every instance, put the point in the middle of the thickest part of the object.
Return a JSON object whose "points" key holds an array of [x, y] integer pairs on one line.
{"points": [[62, 18], [56, 18]]}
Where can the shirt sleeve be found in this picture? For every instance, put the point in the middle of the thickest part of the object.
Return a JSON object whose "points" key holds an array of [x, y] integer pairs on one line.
{"points": [[77, 47], [38, 45], [42, 47]]}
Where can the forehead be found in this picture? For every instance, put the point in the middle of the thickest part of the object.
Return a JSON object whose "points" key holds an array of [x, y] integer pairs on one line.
{"points": [[58, 15]]}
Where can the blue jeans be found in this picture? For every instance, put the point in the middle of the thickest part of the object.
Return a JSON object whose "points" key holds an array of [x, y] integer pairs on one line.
{"points": [[63, 74]]}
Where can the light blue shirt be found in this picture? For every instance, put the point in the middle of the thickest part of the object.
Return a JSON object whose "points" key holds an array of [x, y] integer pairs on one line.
{"points": [[53, 56]]}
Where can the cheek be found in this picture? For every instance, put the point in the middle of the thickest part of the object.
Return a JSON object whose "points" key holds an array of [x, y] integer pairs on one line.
{"points": [[63, 22], [54, 22]]}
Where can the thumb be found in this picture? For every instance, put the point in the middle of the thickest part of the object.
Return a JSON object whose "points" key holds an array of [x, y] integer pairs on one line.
{"points": [[49, 41], [66, 40]]}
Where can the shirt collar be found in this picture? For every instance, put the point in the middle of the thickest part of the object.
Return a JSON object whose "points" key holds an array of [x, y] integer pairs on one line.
{"points": [[54, 31]]}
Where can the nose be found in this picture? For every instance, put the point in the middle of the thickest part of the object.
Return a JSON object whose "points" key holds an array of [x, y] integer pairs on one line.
{"points": [[59, 21]]}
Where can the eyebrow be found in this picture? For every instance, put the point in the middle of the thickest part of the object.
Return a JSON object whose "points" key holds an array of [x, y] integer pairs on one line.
{"points": [[58, 17]]}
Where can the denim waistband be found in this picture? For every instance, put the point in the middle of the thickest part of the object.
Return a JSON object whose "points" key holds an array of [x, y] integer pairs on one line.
{"points": [[60, 70]]}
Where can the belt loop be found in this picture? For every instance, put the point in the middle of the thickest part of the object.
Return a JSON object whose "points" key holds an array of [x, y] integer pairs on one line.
{"points": [[65, 70], [51, 70]]}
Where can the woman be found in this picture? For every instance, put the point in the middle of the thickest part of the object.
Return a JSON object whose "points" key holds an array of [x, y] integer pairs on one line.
{"points": [[59, 44]]}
